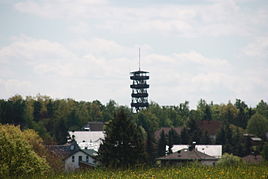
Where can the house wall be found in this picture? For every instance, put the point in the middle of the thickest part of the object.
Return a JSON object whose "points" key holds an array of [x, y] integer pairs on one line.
{"points": [[70, 165]]}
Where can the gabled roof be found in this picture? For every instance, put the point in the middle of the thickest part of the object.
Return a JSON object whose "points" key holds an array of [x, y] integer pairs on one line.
{"points": [[88, 152], [188, 155], [212, 150], [63, 151]]}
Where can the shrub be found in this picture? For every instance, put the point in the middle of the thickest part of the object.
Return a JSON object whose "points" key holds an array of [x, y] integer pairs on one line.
{"points": [[229, 160]]}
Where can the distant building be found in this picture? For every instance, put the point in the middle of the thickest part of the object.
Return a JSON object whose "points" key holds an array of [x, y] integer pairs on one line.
{"points": [[187, 155], [80, 158], [72, 156], [87, 139], [211, 150]]}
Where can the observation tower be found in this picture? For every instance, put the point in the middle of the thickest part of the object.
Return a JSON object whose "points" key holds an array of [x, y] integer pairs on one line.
{"points": [[139, 95]]}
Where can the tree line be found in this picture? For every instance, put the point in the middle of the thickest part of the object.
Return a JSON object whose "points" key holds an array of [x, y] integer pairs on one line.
{"points": [[52, 118], [131, 133]]}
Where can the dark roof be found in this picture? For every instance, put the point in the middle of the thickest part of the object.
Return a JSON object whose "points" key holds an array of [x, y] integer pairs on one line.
{"points": [[139, 71], [211, 126], [254, 159], [186, 154], [166, 131], [95, 126], [63, 151], [89, 152]]}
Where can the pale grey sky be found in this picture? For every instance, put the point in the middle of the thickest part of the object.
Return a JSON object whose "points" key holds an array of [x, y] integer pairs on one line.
{"points": [[216, 50]]}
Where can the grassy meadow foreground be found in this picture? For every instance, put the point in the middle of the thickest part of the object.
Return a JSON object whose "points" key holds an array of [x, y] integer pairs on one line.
{"points": [[243, 172]]}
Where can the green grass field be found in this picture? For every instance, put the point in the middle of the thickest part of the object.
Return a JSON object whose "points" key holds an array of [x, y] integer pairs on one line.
{"points": [[189, 172]]}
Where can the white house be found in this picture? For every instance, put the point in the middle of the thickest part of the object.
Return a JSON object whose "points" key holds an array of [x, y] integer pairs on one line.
{"points": [[211, 150], [78, 158], [87, 139]]}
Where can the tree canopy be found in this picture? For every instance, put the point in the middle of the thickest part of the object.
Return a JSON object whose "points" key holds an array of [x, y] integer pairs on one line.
{"points": [[17, 156], [258, 125]]}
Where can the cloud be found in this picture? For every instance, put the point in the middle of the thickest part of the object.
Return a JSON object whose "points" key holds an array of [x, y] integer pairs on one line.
{"points": [[87, 70], [10, 87], [217, 18], [201, 59], [257, 48], [58, 8], [31, 51]]}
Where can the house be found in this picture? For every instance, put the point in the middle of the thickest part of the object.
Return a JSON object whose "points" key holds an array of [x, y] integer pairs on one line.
{"points": [[210, 126], [187, 155], [87, 139], [211, 150], [166, 131], [72, 156], [80, 158]]}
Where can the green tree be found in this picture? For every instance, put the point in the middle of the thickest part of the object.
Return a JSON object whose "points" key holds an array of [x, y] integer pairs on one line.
{"points": [[37, 110], [123, 145], [257, 125], [207, 114], [55, 162], [185, 138], [150, 149], [17, 157], [170, 140], [262, 108], [162, 145], [265, 152]]}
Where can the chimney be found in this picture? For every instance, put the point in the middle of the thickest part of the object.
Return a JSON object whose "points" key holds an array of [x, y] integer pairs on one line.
{"points": [[192, 146]]}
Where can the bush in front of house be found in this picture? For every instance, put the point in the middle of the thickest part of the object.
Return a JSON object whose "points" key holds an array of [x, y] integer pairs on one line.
{"points": [[229, 160]]}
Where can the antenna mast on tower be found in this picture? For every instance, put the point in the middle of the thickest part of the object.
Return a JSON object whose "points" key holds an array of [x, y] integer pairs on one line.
{"points": [[139, 59]]}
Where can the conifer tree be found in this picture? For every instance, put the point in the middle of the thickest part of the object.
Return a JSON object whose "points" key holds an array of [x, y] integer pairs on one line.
{"points": [[162, 144], [123, 145]]}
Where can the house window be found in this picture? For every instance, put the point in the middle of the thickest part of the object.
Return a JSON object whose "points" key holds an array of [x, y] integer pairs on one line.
{"points": [[87, 158], [72, 158], [80, 158]]}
